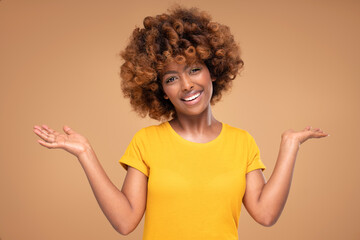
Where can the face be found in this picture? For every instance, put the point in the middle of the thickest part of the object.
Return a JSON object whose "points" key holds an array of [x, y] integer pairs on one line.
{"points": [[189, 88]]}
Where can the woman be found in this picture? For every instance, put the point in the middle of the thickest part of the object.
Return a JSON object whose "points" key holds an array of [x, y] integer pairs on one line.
{"points": [[191, 173]]}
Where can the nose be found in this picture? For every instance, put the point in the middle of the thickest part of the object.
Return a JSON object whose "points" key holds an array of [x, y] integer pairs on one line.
{"points": [[186, 83]]}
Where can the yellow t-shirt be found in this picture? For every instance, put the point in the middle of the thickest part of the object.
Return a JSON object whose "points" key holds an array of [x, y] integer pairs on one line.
{"points": [[195, 190]]}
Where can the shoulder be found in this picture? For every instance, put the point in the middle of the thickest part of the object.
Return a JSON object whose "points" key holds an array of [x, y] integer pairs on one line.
{"points": [[150, 137], [230, 130], [243, 139], [238, 135], [152, 131]]}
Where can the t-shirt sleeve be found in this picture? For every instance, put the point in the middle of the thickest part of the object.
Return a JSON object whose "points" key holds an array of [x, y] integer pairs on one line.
{"points": [[254, 160], [134, 155]]}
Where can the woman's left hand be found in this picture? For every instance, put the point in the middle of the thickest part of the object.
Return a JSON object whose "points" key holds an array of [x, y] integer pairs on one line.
{"points": [[266, 200], [302, 136]]}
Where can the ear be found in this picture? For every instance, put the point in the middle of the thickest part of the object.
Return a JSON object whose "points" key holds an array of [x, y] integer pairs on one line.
{"points": [[165, 96], [213, 79]]}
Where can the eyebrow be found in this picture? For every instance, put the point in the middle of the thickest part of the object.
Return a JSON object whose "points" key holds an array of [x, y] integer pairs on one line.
{"points": [[174, 72], [170, 72]]}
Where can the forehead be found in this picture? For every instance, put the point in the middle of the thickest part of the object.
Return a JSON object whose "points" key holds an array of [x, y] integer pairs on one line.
{"points": [[175, 66]]}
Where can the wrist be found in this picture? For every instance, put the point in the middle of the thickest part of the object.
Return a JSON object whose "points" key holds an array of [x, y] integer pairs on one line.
{"points": [[86, 153], [290, 141]]}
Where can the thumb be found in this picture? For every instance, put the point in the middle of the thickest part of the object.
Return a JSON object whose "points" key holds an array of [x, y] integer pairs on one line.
{"points": [[307, 128], [68, 130]]}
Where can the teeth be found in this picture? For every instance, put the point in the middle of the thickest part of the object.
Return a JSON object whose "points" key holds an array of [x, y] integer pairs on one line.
{"points": [[192, 97]]}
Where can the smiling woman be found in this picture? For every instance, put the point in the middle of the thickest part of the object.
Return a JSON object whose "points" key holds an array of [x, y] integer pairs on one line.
{"points": [[188, 88], [185, 36], [192, 173]]}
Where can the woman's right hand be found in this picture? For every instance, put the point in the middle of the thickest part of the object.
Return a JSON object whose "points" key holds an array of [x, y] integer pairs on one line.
{"points": [[71, 141]]}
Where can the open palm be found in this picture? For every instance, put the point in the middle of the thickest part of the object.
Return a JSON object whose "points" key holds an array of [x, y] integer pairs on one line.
{"points": [[71, 141], [302, 136]]}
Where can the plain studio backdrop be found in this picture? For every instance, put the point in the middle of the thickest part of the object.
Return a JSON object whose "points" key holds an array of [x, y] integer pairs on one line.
{"points": [[59, 65]]}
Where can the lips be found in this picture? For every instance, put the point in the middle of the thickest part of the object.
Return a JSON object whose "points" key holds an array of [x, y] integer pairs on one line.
{"points": [[191, 97]]}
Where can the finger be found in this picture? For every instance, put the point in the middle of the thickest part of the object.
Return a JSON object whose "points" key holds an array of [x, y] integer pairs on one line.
{"points": [[323, 133], [68, 130], [307, 128], [319, 131], [51, 138], [319, 134], [48, 129], [40, 133], [37, 127], [47, 144], [53, 132], [41, 129], [45, 135]]}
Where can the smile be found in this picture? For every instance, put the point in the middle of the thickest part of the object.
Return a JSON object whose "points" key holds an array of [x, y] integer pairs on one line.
{"points": [[191, 98]]}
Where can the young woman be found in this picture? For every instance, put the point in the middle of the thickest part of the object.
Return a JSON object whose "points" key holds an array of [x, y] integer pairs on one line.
{"points": [[191, 172]]}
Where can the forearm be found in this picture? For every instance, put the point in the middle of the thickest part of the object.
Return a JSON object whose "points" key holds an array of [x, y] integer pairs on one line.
{"points": [[123, 214], [111, 200], [275, 192], [265, 201]]}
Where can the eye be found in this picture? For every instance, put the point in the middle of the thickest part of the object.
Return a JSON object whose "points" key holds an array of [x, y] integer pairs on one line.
{"points": [[194, 70], [170, 79]]}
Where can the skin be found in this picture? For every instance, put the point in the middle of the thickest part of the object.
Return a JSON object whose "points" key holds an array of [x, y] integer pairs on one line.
{"points": [[195, 122]]}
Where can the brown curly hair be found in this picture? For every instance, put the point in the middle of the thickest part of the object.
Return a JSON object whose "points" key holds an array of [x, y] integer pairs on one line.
{"points": [[183, 35]]}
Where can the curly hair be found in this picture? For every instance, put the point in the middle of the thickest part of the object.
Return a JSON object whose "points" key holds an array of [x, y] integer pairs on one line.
{"points": [[184, 36]]}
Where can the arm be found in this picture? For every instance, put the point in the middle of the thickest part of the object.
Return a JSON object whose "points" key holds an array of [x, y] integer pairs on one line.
{"points": [[265, 200], [124, 209]]}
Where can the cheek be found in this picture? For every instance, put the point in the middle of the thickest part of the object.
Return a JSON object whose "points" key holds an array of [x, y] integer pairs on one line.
{"points": [[211, 91], [211, 88], [168, 92], [165, 90]]}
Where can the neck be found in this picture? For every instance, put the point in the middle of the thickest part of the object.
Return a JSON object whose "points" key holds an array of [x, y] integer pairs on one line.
{"points": [[194, 124]]}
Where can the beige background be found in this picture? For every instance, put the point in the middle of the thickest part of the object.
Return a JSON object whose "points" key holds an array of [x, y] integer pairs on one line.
{"points": [[59, 65]]}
